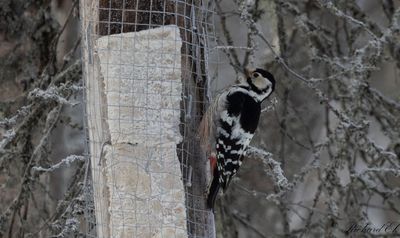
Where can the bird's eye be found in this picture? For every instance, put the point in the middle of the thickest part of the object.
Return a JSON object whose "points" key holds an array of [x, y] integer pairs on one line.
{"points": [[255, 75]]}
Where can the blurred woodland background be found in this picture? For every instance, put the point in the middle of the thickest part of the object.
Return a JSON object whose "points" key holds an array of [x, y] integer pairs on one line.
{"points": [[333, 122]]}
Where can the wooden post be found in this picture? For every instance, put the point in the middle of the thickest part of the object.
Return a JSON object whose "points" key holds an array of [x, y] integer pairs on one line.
{"points": [[140, 58]]}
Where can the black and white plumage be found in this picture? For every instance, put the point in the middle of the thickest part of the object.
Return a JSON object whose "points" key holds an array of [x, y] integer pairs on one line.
{"points": [[229, 125]]}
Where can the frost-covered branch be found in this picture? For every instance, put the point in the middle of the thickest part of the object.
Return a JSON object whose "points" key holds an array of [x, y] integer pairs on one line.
{"points": [[275, 169], [64, 162]]}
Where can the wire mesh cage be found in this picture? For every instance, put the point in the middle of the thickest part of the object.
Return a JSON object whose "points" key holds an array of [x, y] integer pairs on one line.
{"points": [[146, 76]]}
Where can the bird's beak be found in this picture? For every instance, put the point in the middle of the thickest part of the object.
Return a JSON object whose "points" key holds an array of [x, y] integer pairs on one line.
{"points": [[248, 72]]}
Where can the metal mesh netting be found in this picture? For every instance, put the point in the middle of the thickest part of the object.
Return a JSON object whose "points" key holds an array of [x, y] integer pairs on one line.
{"points": [[146, 75]]}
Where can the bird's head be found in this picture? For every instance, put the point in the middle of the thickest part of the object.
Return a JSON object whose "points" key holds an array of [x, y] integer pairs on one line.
{"points": [[260, 81]]}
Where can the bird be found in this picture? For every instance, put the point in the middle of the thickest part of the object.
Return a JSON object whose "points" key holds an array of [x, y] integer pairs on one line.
{"points": [[228, 126]]}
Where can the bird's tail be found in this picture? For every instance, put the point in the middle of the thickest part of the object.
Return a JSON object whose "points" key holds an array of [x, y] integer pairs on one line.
{"points": [[213, 191]]}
